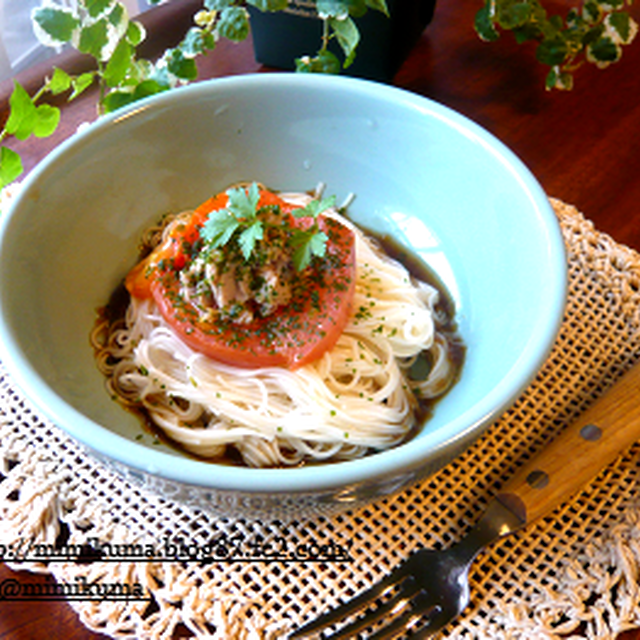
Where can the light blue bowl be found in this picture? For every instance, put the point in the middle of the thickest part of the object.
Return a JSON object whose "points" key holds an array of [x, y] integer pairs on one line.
{"points": [[443, 186]]}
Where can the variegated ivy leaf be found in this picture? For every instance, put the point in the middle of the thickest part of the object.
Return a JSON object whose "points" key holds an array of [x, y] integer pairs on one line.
{"points": [[233, 23], [196, 42], [603, 52], [54, 25], [180, 66], [119, 64], [324, 62], [96, 7], [620, 27], [136, 33], [558, 79], [100, 37], [93, 39]]}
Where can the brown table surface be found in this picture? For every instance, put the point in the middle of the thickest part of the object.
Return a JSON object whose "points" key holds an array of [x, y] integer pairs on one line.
{"points": [[583, 146]]}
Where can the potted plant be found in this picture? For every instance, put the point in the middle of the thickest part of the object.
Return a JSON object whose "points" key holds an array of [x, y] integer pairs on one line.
{"points": [[382, 36], [592, 31]]}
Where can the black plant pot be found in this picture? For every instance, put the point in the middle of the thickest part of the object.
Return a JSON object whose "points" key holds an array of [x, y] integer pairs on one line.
{"points": [[279, 38]]}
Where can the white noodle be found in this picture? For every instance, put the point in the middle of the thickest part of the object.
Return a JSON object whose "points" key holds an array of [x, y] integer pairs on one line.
{"points": [[354, 398]]}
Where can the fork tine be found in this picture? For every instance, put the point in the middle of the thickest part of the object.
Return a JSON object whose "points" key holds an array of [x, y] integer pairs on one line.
{"points": [[348, 608], [421, 606], [394, 605]]}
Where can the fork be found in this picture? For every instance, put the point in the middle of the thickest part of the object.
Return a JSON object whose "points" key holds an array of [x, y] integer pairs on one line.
{"points": [[431, 588]]}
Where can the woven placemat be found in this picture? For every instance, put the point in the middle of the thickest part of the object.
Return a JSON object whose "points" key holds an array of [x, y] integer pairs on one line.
{"points": [[575, 572]]}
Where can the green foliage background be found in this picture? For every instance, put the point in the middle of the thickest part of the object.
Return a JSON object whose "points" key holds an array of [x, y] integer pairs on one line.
{"points": [[594, 32]]}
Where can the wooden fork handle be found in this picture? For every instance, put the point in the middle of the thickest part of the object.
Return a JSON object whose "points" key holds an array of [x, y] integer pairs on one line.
{"points": [[583, 449]]}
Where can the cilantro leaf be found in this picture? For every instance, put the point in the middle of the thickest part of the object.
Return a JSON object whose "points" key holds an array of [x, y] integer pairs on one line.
{"points": [[238, 222], [243, 203], [315, 208], [219, 228], [307, 244], [241, 212], [248, 238]]}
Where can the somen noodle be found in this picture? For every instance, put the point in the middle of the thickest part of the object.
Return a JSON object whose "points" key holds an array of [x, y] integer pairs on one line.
{"points": [[355, 398]]}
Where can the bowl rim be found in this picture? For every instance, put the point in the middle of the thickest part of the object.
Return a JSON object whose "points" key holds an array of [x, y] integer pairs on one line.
{"points": [[403, 459]]}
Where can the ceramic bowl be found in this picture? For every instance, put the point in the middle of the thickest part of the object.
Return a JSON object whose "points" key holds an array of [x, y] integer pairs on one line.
{"points": [[444, 187]]}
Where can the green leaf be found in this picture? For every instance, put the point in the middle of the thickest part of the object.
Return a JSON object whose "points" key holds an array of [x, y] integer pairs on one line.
{"points": [[10, 166], [307, 244], [22, 116], [56, 22], [135, 33], [196, 42], [240, 212], [81, 83], [217, 5], [96, 7], [513, 15], [620, 22], [526, 32], [160, 74], [332, 8], [348, 36], [269, 5], [592, 12], [604, 51], [552, 51], [181, 66], [592, 34], [47, 119], [219, 227], [94, 38], [118, 18], [147, 88], [115, 100], [315, 208], [484, 25], [378, 5], [233, 24], [324, 62], [118, 64], [243, 203], [557, 79], [248, 238], [60, 82]]}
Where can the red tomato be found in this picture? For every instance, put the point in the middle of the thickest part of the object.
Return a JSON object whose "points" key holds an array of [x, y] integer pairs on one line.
{"points": [[291, 336]]}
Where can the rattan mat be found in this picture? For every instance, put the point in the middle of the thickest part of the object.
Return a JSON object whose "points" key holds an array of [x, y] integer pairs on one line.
{"points": [[575, 573]]}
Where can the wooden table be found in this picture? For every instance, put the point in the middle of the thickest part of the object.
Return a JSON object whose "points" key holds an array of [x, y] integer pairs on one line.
{"points": [[583, 146]]}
